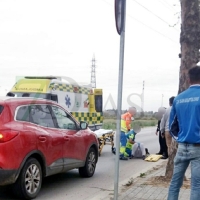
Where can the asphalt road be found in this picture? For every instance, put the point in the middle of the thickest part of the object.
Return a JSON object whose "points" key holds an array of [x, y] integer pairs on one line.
{"points": [[70, 186]]}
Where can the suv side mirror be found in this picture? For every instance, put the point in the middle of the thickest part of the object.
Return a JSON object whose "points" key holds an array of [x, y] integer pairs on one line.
{"points": [[83, 125]]}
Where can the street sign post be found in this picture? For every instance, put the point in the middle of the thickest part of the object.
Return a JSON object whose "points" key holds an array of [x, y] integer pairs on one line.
{"points": [[120, 10]]}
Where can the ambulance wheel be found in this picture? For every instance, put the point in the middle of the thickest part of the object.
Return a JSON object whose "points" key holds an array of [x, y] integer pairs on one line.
{"points": [[90, 164]]}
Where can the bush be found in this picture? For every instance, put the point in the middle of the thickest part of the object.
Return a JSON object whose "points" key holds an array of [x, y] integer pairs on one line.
{"points": [[112, 123]]}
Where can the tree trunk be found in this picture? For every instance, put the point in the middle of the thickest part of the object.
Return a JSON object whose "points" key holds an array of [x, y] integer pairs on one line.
{"points": [[190, 45], [170, 163]]}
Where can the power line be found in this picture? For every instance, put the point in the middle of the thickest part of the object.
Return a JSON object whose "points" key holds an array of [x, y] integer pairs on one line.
{"points": [[153, 29], [166, 3], [147, 26], [153, 14], [169, 7]]}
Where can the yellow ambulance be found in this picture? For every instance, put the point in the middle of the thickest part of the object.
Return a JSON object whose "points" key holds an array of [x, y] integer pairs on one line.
{"points": [[84, 102]]}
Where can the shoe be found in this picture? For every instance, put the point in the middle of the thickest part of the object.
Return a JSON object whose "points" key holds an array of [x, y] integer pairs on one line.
{"points": [[143, 157], [147, 151], [164, 157], [123, 158], [159, 153], [131, 157]]}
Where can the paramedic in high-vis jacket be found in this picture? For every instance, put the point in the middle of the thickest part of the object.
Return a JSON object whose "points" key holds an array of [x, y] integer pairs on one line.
{"points": [[126, 119], [132, 147]]}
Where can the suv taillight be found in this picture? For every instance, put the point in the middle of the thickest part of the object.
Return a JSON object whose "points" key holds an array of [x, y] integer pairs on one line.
{"points": [[7, 135]]}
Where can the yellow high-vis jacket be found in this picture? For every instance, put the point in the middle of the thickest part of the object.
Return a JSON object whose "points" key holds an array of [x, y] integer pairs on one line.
{"points": [[126, 122]]}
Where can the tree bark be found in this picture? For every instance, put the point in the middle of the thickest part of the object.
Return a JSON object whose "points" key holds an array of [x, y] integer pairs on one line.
{"points": [[189, 39], [170, 163], [190, 45]]}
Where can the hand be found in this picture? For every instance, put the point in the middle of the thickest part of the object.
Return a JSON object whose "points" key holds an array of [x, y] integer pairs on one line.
{"points": [[162, 135]]}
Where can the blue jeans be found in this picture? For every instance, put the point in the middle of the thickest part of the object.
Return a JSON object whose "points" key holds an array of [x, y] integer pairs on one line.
{"points": [[186, 154]]}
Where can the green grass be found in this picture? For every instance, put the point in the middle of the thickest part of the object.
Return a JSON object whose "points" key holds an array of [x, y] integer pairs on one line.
{"points": [[112, 123]]}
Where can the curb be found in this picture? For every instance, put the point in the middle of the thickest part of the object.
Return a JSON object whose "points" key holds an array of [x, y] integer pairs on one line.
{"points": [[108, 193]]}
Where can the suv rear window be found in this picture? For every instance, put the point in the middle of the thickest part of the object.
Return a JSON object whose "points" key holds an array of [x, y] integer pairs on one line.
{"points": [[1, 109], [23, 114]]}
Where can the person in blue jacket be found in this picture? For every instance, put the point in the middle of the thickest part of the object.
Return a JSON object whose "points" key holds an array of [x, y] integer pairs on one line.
{"points": [[184, 124], [132, 146], [130, 138]]}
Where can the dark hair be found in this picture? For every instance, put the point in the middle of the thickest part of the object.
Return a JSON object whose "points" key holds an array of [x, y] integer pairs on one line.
{"points": [[171, 99], [194, 74]]}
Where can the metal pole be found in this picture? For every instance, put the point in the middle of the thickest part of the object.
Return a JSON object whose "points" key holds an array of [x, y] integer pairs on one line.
{"points": [[119, 104]]}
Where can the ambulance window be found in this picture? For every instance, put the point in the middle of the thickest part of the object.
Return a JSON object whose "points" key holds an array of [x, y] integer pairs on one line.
{"points": [[31, 94], [26, 95], [64, 120], [54, 97], [98, 103]]}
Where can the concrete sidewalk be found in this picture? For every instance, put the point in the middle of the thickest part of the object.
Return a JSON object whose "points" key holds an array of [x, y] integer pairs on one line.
{"points": [[147, 186]]}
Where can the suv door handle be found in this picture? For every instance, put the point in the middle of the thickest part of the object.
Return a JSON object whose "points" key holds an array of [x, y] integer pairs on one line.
{"points": [[42, 138], [66, 138]]}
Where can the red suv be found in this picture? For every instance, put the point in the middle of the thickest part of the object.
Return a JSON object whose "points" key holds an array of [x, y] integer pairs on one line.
{"points": [[39, 138]]}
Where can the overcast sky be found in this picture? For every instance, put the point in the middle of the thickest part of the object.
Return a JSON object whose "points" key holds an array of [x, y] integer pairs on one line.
{"points": [[60, 37]]}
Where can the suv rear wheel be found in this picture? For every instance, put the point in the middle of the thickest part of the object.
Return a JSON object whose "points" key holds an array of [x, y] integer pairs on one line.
{"points": [[90, 164], [29, 181]]}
